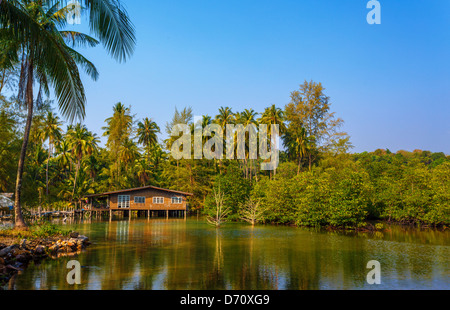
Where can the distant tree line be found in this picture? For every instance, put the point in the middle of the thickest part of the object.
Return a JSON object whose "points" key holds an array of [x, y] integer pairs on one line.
{"points": [[318, 182]]}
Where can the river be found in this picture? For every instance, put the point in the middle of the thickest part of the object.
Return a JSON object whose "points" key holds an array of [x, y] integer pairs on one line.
{"points": [[178, 254]]}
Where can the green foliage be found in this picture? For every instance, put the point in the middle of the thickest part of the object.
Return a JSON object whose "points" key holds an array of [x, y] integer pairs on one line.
{"points": [[46, 229], [409, 187], [346, 191], [36, 231], [236, 189], [334, 198], [339, 189]]}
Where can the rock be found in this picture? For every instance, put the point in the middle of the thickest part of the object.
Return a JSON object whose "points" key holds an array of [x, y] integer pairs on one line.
{"points": [[7, 250], [83, 238], [13, 268], [39, 250], [23, 258], [2, 262], [53, 248], [74, 235], [23, 244]]}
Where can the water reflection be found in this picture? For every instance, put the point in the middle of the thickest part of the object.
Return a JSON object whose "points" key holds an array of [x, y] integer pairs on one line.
{"points": [[174, 254]]}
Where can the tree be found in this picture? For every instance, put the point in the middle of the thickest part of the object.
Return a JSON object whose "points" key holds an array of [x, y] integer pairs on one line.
{"points": [[143, 171], [310, 109], [274, 116], [184, 117], [298, 145], [82, 142], [118, 129], [128, 153], [32, 29], [219, 215], [9, 147], [252, 212], [247, 118], [52, 132], [224, 118], [147, 133]]}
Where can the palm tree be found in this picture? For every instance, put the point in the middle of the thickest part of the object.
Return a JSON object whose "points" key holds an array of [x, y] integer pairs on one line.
{"points": [[156, 156], [298, 145], [82, 142], [128, 152], [63, 157], [83, 186], [52, 132], [273, 116], [248, 118], [147, 133], [118, 129], [225, 117], [143, 171], [32, 27], [119, 126], [92, 166]]}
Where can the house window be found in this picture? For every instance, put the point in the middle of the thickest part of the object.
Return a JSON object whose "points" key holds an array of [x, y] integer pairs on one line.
{"points": [[158, 200], [177, 200], [139, 200], [123, 201]]}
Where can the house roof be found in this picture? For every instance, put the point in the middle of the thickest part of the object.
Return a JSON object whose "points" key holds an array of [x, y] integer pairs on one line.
{"points": [[139, 189], [8, 195], [5, 201]]}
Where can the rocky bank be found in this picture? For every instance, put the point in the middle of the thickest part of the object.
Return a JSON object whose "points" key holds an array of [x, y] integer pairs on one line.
{"points": [[16, 257]]}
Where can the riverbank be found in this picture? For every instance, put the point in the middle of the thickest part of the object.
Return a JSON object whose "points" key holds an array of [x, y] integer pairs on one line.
{"points": [[16, 255]]}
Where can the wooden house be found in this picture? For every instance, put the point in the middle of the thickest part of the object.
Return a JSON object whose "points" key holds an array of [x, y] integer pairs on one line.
{"points": [[148, 199]]}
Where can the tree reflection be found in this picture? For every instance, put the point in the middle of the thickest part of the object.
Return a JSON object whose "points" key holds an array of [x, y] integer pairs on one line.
{"points": [[174, 254]]}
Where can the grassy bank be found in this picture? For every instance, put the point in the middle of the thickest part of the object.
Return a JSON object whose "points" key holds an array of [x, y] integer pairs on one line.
{"points": [[19, 248], [36, 231]]}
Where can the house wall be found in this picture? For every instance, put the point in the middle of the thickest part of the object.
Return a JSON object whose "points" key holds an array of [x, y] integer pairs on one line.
{"points": [[149, 194]]}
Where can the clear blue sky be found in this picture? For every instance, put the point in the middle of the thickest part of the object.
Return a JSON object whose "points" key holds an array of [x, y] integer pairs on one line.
{"points": [[389, 82]]}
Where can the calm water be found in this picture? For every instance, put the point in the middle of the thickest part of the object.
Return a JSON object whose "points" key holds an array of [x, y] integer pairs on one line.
{"points": [[177, 254]]}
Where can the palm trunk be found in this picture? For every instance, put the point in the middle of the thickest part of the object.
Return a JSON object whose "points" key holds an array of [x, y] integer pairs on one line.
{"points": [[76, 176], [19, 221], [46, 173], [310, 161]]}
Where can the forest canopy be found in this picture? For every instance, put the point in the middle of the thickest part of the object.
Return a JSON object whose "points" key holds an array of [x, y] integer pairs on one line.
{"points": [[318, 181]]}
